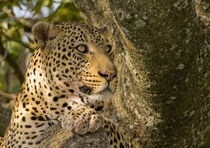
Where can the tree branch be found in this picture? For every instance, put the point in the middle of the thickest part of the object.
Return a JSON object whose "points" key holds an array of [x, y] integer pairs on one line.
{"points": [[8, 96], [12, 63], [4, 57], [57, 137]]}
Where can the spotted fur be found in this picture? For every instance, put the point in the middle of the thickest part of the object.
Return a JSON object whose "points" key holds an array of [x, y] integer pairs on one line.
{"points": [[70, 71]]}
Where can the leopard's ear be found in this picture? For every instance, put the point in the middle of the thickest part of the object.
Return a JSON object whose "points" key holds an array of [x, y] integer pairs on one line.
{"points": [[43, 32]]}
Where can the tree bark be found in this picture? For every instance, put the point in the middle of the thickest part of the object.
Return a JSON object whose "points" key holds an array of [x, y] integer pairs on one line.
{"points": [[56, 137], [162, 57]]}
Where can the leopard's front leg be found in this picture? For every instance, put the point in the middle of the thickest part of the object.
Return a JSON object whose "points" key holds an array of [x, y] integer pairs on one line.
{"points": [[80, 119]]}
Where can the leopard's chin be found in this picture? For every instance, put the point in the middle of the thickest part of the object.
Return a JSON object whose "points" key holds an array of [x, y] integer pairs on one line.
{"points": [[108, 88], [101, 96]]}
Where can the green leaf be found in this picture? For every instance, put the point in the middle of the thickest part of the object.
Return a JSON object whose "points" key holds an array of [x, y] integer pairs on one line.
{"points": [[38, 7], [50, 3], [3, 74], [3, 16], [65, 12]]}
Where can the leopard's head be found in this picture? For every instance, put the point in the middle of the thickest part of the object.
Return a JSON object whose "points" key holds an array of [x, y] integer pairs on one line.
{"points": [[78, 59]]}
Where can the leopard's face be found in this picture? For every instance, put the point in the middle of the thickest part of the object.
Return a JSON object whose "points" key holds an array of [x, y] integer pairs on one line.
{"points": [[79, 61]]}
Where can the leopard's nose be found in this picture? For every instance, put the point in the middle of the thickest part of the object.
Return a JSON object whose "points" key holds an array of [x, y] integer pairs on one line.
{"points": [[108, 75]]}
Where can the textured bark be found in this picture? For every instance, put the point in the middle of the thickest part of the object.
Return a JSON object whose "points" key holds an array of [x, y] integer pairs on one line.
{"points": [[162, 57], [56, 137]]}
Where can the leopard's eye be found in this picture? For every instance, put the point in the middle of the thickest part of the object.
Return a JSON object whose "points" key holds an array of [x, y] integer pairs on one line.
{"points": [[109, 48], [82, 48]]}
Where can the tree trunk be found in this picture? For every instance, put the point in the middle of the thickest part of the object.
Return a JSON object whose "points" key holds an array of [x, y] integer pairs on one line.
{"points": [[162, 57]]}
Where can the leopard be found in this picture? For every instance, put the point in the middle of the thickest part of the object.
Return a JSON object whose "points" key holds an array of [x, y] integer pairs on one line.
{"points": [[70, 71]]}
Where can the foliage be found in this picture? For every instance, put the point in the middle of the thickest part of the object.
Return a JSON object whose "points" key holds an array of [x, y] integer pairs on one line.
{"points": [[16, 19]]}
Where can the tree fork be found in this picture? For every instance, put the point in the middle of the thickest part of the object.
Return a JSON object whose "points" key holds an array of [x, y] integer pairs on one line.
{"points": [[162, 56]]}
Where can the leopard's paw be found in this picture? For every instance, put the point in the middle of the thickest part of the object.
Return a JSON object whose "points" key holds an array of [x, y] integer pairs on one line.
{"points": [[82, 120]]}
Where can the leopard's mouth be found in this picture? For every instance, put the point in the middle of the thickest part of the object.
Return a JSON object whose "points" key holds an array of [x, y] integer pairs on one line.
{"points": [[86, 89], [110, 87], [100, 96], [107, 89]]}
